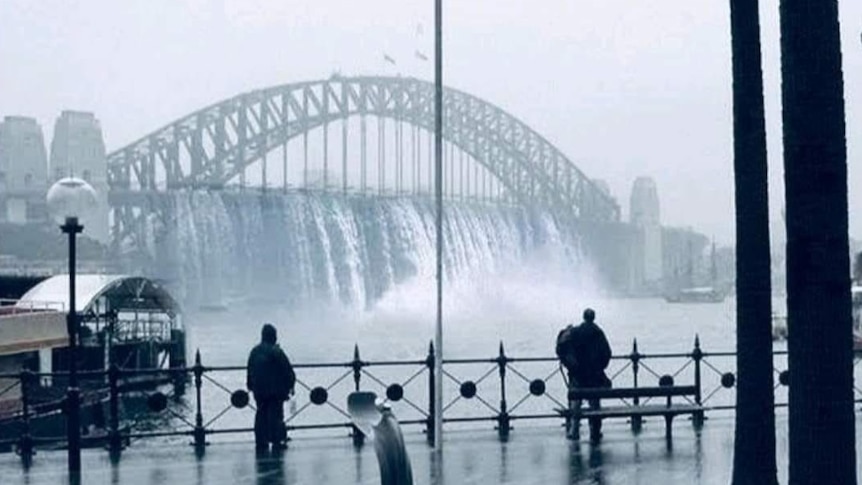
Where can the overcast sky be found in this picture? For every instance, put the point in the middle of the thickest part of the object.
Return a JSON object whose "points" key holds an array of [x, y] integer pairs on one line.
{"points": [[623, 87]]}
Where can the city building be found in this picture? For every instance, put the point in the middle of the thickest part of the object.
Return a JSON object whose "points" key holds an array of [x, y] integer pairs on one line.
{"points": [[23, 170], [645, 216]]}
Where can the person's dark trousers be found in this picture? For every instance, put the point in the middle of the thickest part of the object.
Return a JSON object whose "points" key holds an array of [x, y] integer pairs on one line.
{"points": [[595, 423], [269, 423]]}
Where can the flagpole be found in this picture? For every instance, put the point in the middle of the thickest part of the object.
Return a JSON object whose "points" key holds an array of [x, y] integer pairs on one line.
{"points": [[438, 195]]}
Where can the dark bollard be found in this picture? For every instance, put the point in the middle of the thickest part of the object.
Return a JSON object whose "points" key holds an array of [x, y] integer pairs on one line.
{"points": [[25, 442], [637, 421], [378, 422], [392, 455], [429, 423]]}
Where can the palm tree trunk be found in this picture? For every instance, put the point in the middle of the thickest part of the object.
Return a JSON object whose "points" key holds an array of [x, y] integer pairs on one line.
{"points": [[754, 444], [822, 427]]}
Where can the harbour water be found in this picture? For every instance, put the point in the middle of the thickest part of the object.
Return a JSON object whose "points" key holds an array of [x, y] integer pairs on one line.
{"points": [[525, 314]]}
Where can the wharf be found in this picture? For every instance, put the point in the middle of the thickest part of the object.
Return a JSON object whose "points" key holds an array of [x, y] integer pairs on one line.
{"points": [[536, 454]]}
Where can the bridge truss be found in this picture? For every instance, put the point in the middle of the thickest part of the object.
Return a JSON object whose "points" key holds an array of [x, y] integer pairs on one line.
{"points": [[488, 155]]}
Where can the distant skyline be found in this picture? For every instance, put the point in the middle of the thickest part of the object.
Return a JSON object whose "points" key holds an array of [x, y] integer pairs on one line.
{"points": [[624, 89]]}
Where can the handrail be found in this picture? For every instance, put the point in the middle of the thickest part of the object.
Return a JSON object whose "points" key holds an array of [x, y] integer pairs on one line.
{"points": [[14, 306], [496, 389]]}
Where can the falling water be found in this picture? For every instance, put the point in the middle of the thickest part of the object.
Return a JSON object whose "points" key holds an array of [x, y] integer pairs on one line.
{"points": [[310, 248]]}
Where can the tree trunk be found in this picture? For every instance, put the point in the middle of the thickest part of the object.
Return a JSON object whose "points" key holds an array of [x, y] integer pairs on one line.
{"points": [[822, 426], [754, 443]]}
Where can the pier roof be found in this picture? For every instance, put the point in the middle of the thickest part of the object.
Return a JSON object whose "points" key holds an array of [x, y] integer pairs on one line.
{"points": [[121, 292]]}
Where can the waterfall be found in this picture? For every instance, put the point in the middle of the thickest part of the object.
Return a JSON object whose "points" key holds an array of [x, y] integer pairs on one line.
{"points": [[306, 248]]}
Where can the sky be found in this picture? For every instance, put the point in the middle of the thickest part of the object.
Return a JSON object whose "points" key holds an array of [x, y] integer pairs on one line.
{"points": [[624, 88]]}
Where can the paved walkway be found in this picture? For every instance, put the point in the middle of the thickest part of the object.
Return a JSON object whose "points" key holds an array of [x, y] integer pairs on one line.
{"points": [[534, 455]]}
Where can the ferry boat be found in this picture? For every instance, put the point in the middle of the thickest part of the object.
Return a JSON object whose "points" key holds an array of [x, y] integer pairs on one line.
{"points": [[699, 294], [129, 321]]}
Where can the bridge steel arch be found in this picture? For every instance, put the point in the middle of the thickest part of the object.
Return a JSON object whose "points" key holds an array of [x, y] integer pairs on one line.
{"points": [[208, 148]]}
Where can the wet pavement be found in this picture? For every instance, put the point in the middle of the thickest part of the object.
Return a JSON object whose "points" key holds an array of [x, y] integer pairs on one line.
{"points": [[534, 454]]}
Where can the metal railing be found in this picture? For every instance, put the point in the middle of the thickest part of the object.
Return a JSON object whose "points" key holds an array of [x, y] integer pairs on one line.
{"points": [[14, 307], [501, 390]]}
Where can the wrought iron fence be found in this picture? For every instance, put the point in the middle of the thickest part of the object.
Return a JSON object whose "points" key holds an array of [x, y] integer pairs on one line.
{"points": [[501, 390]]}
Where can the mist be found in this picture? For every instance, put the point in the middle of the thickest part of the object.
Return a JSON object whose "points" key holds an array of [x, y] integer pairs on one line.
{"points": [[585, 75]]}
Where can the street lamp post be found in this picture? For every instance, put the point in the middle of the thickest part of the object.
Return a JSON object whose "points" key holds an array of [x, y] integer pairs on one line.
{"points": [[72, 227], [69, 199]]}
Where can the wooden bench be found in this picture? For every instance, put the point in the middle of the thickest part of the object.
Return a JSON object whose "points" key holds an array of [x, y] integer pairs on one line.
{"points": [[636, 411]]}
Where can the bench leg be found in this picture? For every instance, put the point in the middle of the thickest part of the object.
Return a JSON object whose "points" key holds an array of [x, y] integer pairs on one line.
{"points": [[573, 420], [574, 432], [697, 420], [637, 424]]}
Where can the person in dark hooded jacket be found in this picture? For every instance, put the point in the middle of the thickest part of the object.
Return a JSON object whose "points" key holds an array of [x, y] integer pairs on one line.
{"points": [[585, 353], [270, 378]]}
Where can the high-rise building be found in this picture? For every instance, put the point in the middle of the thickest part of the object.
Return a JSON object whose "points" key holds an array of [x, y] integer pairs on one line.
{"points": [[78, 150], [644, 214], [23, 170], [644, 206]]}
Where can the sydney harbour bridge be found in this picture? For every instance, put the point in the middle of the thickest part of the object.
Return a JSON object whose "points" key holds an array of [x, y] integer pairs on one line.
{"points": [[324, 187], [349, 137], [218, 144]]}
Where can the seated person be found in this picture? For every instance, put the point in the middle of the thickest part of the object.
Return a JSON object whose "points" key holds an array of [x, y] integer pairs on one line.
{"points": [[585, 353]]}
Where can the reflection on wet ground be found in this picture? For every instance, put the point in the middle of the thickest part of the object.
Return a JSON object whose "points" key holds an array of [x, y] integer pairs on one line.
{"points": [[533, 455]]}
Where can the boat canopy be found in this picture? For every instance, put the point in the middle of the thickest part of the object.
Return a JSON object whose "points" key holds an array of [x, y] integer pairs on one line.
{"points": [[120, 292]]}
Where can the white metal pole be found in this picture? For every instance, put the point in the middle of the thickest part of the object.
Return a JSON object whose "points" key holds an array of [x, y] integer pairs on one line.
{"points": [[438, 194]]}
